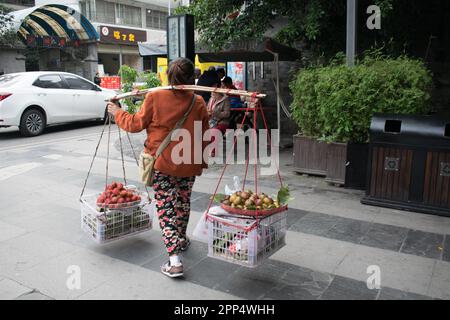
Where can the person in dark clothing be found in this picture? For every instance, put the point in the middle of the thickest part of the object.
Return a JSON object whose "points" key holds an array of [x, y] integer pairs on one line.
{"points": [[209, 78], [97, 79], [235, 100], [221, 73]]}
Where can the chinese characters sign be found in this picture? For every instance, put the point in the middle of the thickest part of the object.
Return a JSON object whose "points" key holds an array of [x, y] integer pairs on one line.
{"points": [[180, 37], [122, 35], [49, 41]]}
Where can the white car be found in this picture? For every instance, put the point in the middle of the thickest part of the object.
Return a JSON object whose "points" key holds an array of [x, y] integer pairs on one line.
{"points": [[33, 100]]}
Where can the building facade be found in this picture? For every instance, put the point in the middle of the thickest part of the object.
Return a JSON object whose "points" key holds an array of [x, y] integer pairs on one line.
{"points": [[121, 24]]}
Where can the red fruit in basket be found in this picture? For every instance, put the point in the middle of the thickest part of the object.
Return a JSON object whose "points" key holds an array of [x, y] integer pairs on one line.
{"points": [[121, 200], [120, 186], [107, 201], [128, 199], [123, 193], [115, 191], [134, 198], [101, 199], [113, 200], [114, 184]]}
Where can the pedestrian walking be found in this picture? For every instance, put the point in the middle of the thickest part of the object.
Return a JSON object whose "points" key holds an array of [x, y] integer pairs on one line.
{"points": [[172, 182]]}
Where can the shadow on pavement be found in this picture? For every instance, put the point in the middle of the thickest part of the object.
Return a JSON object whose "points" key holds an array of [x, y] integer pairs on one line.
{"points": [[13, 133]]}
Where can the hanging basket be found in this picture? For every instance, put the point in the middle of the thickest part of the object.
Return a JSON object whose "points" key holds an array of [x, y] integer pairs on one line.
{"points": [[110, 215], [253, 213], [105, 225], [245, 241]]}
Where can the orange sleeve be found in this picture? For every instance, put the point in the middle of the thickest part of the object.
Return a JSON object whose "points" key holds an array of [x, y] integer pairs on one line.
{"points": [[139, 121]]}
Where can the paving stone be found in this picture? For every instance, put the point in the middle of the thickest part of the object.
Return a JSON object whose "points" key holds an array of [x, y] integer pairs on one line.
{"points": [[440, 281], [397, 270], [136, 249], [196, 252], [394, 294], [252, 283], [423, 244], [348, 289], [211, 272], [385, 237], [315, 223], [199, 201], [10, 289], [293, 215], [446, 253], [9, 231], [300, 284], [34, 295], [349, 230]]}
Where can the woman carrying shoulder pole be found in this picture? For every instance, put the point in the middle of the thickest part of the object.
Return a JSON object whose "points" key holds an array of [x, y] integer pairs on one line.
{"points": [[172, 181]]}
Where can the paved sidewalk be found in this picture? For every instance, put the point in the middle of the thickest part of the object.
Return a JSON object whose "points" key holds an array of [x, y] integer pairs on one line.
{"points": [[331, 242]]}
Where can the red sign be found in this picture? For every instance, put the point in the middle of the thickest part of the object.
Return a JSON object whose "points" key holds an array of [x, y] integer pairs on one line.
{"points": [[110, 83]]}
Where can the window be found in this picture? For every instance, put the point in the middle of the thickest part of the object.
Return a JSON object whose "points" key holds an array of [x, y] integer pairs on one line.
{"points": [[105, 11], [156, 19], [78, 83], [50, 81], [129, 15]]}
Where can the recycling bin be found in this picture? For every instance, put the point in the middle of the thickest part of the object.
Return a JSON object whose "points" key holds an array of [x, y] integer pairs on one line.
{"points": [[409, 163]]}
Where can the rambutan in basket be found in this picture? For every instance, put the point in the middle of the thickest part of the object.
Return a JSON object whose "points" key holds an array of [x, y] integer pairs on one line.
{"points": [[105, 222]]}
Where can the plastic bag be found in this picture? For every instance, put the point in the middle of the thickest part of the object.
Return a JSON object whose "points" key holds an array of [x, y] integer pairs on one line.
{"points": [[200, 232], [155, 214], [236, 186]]}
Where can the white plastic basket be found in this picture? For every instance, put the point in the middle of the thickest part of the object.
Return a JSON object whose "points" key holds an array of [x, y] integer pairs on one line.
{"points": [[112, 224], [245, 241]]}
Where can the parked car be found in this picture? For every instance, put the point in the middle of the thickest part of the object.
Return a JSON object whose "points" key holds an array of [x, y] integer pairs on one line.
{"points": [[34, 100]]}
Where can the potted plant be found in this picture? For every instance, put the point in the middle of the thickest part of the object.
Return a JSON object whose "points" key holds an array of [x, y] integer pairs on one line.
{"points": [[309, 152], [335, 105]]}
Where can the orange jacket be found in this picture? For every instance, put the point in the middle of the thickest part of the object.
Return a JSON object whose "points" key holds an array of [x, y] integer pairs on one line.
{"points": [[158, 115]]}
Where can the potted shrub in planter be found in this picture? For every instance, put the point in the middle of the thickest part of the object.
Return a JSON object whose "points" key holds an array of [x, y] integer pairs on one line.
{"points": [[310, 154], [338, 102]]}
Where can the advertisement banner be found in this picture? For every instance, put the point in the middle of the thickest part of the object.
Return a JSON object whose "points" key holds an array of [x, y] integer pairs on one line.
{"points": [[236, 71]]}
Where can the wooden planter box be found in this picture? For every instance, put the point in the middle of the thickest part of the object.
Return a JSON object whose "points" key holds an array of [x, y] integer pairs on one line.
{"points": [[347, 164], [341, 163], [310, 155]]}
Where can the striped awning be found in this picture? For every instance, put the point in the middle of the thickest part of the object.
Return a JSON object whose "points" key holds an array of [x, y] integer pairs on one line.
{"points": [[53, 20]]}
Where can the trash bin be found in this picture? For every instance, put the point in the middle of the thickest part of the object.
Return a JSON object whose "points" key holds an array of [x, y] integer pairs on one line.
{"points": [[409, 163]]}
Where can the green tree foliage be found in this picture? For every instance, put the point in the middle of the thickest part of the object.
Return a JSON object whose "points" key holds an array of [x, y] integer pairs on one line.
{"points": [[319, 22], [336, 103], [129, 77], [8, 37], [319, 25]]}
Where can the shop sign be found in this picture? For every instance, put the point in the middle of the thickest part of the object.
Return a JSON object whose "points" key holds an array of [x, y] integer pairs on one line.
{"points": [[47, 41], [122, 35]]}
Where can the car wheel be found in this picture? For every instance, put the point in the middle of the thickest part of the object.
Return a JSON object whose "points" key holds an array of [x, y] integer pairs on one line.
{"points": [[32, 123]]}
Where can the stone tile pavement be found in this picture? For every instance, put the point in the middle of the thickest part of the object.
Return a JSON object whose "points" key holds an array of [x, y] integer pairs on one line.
{"points": [[332, 240]]}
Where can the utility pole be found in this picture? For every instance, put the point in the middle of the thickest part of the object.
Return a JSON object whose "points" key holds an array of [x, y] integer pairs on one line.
{"points": [[352, 17]]}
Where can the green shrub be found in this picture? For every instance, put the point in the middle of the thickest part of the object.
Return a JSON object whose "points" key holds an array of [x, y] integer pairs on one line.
{"points": [[336, 103], [129, 77]]}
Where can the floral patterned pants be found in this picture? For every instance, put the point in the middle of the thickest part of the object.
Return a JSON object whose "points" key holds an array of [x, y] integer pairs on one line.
{"points": [[173, 204]]}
